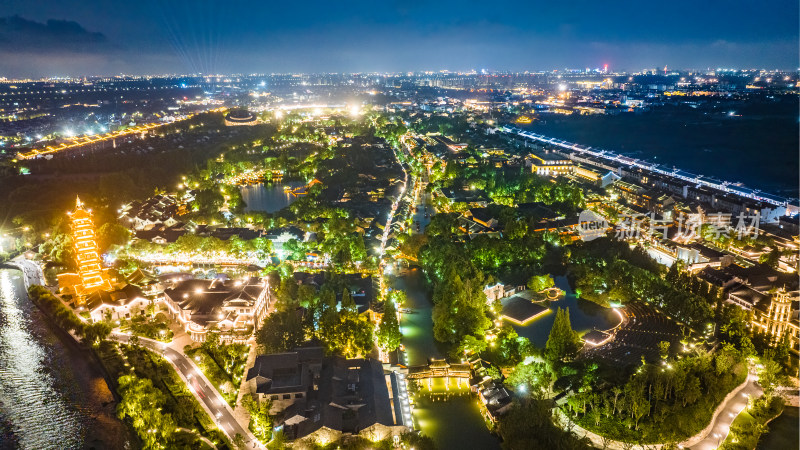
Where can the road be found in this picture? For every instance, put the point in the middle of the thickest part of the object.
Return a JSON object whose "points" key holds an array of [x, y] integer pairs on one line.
{"points": [[202, 389], [423, 208], [722, 423]]}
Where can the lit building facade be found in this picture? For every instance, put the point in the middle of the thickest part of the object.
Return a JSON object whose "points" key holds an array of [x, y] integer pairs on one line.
{"points": [[549, 164], [773, 314], [91, 275], [778, 320]]}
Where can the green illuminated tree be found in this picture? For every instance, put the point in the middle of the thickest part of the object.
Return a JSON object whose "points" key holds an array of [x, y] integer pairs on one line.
{"points": [[96, 332], [563, 342], [112, 234], [389, 335], [470, 344], [260, 420], [460, 309], [532, 379], [350, 336], [282, 331], [141, 403], [540, 282]]}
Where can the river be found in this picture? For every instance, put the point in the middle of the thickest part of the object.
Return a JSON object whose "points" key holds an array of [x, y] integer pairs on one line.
{"points": [[452, 418], [268, 197], [699, 141], [51, 395]]}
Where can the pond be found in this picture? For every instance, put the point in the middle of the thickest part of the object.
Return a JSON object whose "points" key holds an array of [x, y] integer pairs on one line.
{"points": [[783, 431], [583, 314], [268, 197]]}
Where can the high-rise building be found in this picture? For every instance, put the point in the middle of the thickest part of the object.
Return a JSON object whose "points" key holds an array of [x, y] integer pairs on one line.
{"points": [[87, 256]]}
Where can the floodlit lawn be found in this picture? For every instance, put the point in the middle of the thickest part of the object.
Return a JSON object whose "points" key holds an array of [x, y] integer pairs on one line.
{"points": [[157, 328], [744, 419], [226, 382]]}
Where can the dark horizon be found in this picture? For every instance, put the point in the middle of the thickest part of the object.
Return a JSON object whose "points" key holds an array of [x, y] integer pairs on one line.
{"points": [[53, 38]]}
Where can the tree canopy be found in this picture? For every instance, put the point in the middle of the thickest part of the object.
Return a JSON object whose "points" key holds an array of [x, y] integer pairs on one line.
{"points": [[563, 342]]}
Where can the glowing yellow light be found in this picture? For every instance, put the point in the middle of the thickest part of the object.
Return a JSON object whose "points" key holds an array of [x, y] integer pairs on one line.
{"points": [[87, 257]]}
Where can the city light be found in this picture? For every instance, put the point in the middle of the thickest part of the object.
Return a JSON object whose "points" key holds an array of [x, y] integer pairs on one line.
{"points": [[339, 258]]}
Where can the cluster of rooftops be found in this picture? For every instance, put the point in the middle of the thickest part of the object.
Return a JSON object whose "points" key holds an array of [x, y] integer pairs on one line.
{"points": [[321, 397]]}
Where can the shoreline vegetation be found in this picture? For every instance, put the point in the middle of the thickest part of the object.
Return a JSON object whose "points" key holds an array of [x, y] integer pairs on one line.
{"points": [[682, 401], [143, 383]]}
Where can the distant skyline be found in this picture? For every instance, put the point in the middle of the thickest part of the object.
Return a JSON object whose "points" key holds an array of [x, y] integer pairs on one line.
{"points": [[72, 38]]}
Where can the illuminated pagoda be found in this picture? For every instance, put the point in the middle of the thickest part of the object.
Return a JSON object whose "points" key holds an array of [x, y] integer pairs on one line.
{"points": [[90, 277]]}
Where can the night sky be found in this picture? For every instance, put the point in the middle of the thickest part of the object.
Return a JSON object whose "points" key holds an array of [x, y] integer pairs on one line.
{"points": [[70, 37]]}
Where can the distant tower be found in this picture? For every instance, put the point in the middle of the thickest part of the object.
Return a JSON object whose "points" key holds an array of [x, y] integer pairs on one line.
{"points": [[87, 257], [665, 70]]}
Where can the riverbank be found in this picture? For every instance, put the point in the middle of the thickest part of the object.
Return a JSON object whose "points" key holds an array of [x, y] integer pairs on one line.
{"points": [[748, 427], [54, 395], [31, 271], [710, 437], [71, 340], [701, 143]]}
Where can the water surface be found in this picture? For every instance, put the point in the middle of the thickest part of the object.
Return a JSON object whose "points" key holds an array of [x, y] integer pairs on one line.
{"points": [[783, 431], [583, 315], [268, 197], [451, 416], [51, 395]]}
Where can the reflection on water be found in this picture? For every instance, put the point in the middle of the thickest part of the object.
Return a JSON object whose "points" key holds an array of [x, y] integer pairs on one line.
{"points": [[269, 197], [454, 421], [50, 397], [445, 411], [583, 315]]}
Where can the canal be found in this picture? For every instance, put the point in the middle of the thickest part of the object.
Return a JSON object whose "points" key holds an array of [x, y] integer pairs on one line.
{"points": [[268, 197], [450, 415], [51, 395]]}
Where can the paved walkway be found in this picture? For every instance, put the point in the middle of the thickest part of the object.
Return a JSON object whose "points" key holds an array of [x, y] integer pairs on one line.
{"points": [[31, 270], [708, 439], [240, 412], [208, 397], [724, 416], [202, 438]]}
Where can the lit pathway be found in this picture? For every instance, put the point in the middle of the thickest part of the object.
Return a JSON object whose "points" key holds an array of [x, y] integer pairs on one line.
{"points": [[724, 416], [708, 439], [388, 227], [30, 269], [208, 397], [240, 412], [202, 438]]}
